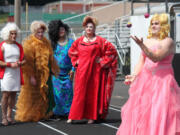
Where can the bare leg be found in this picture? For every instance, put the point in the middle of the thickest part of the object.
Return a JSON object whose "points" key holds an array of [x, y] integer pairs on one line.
{"points": [[11, 104], [4, 104]]}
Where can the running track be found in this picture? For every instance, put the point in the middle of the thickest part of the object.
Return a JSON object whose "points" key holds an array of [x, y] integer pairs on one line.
{"points": [[60, 127]]}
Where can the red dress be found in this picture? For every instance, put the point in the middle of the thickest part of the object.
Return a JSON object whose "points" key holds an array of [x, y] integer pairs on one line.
{"points": [[96, 64]]}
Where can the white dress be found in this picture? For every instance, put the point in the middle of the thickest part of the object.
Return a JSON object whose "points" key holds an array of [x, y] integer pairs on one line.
{"points": [[11, 79]]}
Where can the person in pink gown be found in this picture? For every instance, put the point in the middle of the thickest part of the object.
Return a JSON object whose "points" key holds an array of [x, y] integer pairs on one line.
{"points": [[153, 107], [95, 60]]}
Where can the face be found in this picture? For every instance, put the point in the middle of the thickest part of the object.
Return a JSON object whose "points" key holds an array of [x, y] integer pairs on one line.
{"points": [[155, 27], [12, 36], [62, 32], [89, 29], [39, 33]]}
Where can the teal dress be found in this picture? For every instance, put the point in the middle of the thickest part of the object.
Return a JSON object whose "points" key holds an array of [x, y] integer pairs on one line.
{"points": [[62, 85]]}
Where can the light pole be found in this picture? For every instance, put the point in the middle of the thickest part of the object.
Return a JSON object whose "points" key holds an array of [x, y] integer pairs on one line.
{"points": [[17, 11], [84, 6], [27, 22]]}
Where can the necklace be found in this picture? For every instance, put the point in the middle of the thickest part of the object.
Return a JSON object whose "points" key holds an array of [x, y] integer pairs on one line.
{"points": [[90, 39], [63, 43]]}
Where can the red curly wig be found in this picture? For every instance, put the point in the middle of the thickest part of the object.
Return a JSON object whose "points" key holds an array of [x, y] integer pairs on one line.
{"points": [[89, 19]]}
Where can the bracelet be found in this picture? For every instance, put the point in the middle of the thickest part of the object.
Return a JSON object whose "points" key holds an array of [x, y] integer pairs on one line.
{"points": [[8, 64]]}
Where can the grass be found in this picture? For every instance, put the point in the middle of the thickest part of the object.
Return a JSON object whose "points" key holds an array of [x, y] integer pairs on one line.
{"points": [[4, 17]]}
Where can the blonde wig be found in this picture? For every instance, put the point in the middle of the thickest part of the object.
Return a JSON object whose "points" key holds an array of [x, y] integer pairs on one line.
{"points": [[89, 19], [5, 32], [35, 25], [165, 27]]}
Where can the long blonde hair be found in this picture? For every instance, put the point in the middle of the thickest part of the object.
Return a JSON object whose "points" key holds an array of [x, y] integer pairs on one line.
{"points": [[165, 27]]}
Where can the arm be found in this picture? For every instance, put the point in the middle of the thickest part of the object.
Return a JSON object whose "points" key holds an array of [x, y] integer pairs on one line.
{"points": [[8, 64], [109, 54], [73, 53], [130, 78], [53, 63], [139, 65], [163, 50], [29, 58], [4, 64], [21, 63], [71, 73]]}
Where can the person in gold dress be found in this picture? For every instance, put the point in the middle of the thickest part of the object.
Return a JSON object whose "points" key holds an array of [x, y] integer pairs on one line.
{"points": [[35, 101]]}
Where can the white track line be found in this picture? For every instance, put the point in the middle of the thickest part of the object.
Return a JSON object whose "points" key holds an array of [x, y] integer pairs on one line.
{"points": [[41, 123], [114, 109], [54, 129], [115, 106], [109, 126]]}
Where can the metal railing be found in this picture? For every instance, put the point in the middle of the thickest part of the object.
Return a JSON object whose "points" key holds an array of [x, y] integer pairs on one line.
{"points": [[93, 11], [122, 53]]}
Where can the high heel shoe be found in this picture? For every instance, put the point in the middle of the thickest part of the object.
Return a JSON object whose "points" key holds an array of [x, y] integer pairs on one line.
{"points": [[90, 122], [69, 121]]}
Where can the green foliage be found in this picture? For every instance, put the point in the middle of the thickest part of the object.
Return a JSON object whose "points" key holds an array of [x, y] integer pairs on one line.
{"points": [[3, 17]]}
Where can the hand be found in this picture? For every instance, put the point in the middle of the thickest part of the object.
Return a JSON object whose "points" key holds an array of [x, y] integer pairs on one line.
{"points": [[97, 59], [33, 81], [19, 63], [137, 40], [129, 79], [14, 65], [71, 75], [76, 64]]}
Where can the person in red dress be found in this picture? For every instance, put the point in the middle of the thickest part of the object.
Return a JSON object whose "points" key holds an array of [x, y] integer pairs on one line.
{"points": [[95, 60]]}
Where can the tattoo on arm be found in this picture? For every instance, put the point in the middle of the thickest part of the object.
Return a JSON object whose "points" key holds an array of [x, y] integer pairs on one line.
{"points": [[149, 53]]}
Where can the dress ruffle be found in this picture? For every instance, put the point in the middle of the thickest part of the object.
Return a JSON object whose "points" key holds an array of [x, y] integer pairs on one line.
{"points": [[32, 102], [153, 107]]}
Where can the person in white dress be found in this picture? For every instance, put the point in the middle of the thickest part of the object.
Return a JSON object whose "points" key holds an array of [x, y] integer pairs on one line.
{"points": [[11, 60]]}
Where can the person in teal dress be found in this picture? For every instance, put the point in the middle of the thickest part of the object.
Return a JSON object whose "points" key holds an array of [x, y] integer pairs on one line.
{"points": [[62, 85]]}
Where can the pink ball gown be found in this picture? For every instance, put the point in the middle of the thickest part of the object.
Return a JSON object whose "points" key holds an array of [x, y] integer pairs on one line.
{"points": [[153, 107]]}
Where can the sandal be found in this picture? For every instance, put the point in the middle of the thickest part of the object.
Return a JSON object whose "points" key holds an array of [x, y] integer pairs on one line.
{"points": [[4, 122], [9, 119]]}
